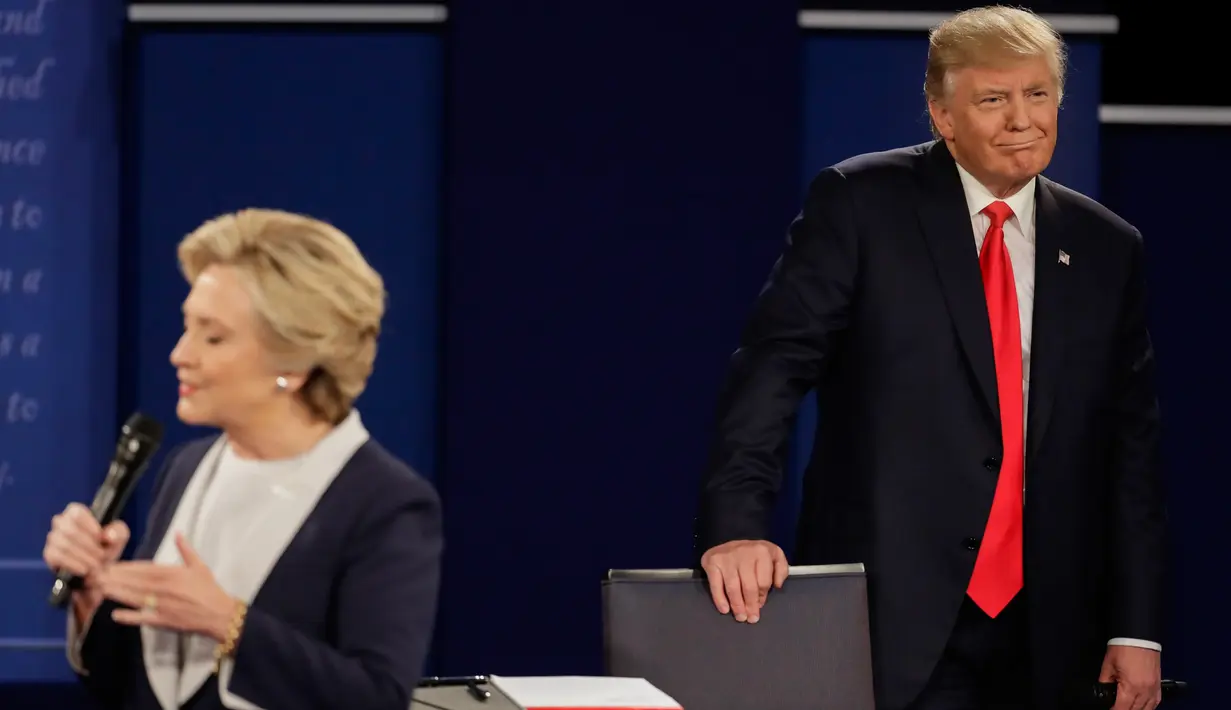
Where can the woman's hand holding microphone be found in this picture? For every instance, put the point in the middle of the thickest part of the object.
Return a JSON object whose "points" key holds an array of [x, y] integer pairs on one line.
{"points": [[181, 597], [79, 545]]}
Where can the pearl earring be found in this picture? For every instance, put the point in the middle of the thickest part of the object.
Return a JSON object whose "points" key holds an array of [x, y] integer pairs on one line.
{"points": [[281, 383]]}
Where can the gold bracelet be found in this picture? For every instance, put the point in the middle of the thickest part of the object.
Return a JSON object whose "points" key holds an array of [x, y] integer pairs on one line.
{"points": [[225, 649]]}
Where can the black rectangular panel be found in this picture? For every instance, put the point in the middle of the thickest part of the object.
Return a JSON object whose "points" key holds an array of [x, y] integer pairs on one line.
{"points": [[1045, 6], [396, 3], [1166, 58]]}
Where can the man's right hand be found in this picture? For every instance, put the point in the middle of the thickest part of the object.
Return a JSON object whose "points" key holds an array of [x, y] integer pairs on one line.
{"points": [[741, 573]]}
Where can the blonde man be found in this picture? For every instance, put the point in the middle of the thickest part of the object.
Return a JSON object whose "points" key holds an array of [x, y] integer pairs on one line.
{"points": [[977, 338], [290, 561]]}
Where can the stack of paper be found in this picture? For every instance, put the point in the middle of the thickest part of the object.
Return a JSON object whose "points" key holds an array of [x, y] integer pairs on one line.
{"points": [[583, 693]]}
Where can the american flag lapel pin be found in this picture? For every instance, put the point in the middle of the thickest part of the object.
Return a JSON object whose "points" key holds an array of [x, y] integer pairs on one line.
{"points": [[1064, 257]]}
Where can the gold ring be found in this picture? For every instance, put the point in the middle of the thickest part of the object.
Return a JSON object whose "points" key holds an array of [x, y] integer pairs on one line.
{"points": [[151, 604]]}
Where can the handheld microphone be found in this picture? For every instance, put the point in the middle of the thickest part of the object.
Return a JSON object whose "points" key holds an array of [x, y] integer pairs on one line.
{"points": [[1103, 695], [139, 439]]}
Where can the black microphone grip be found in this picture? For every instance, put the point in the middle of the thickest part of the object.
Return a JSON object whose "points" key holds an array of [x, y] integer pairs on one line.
{"points": [[104, 510], [139, 439]]}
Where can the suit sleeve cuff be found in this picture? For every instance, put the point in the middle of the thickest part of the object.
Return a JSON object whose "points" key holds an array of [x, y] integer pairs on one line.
{"points": [[1136, 642], [75, 640]]}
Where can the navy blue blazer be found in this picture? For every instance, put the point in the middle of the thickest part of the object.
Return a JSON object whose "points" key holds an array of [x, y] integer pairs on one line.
{"points": [[343, 620]]}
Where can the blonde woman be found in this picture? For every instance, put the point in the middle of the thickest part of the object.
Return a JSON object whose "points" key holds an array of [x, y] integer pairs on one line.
{"points": [[290, 560]]}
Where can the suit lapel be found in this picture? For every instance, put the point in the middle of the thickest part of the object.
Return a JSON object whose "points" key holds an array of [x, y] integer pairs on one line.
{"points": [[160, 649], [1052, 283], [946, 226]]}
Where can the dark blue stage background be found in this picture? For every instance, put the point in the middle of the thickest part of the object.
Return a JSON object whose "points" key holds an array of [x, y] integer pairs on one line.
{"points": [[574, 206], [614, 203], [58, 298], [1167, 181], [343, 126]]}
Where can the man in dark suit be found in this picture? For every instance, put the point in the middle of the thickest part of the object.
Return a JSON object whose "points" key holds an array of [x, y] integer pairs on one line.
{"points": [[988, 440]]}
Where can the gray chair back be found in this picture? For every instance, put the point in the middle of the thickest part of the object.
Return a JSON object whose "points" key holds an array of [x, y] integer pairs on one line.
{"points": [[809, 651]]}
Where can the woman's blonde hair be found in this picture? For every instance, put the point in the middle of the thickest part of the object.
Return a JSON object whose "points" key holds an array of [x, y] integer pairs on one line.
{"points": [[986, 36], [318, 300]]}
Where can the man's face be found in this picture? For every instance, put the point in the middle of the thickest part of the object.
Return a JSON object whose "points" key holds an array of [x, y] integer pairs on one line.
{"points": [[1000, 122]]}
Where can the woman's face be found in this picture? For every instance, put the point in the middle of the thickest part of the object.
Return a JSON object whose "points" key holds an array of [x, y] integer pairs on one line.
{"points": [[224, 371]]}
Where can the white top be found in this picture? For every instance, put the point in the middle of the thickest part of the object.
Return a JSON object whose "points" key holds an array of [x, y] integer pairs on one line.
{"points": [[237, 501]]}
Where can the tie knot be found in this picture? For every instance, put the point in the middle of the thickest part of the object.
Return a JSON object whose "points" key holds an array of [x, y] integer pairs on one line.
{"points": [[999, 212]]}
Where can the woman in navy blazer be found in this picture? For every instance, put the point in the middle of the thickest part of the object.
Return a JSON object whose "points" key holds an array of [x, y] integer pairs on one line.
{"points": [[290, 561]]}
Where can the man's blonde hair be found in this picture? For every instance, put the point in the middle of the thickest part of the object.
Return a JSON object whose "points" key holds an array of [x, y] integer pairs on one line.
{"points": [[987, 36], [319, 302]]}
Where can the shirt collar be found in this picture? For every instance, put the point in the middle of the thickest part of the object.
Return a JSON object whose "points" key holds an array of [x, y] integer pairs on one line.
{"points": [[978, 197]]}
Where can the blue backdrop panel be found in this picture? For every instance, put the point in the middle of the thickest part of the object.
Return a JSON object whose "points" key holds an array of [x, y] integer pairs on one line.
{"points": [[619, 188], [58, 231], [345, 127], [1168, 182], [881, 106]]}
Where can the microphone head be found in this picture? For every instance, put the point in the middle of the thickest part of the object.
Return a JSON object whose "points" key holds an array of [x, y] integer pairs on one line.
{"points": [[139, 438], [143, 427]]}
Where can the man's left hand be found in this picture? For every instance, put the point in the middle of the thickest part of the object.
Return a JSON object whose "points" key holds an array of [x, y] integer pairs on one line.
{"points": [[1138, 675]]}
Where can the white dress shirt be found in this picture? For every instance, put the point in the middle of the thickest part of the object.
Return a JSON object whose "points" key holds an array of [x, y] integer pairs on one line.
{"points": [[1019, 241]]}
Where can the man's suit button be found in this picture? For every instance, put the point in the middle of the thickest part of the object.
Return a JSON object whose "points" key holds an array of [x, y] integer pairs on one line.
{"points": [[971, 543], [991, 463]]}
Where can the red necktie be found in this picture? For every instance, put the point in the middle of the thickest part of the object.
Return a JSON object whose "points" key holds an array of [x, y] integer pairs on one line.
{"points": [[998, 568]]}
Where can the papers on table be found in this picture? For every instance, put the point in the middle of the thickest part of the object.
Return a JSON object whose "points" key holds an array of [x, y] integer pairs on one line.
{"points": [[583, 693]]}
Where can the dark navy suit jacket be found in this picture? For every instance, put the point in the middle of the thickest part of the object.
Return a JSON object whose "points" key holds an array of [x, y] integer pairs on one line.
{"points": [[345, 617]]}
